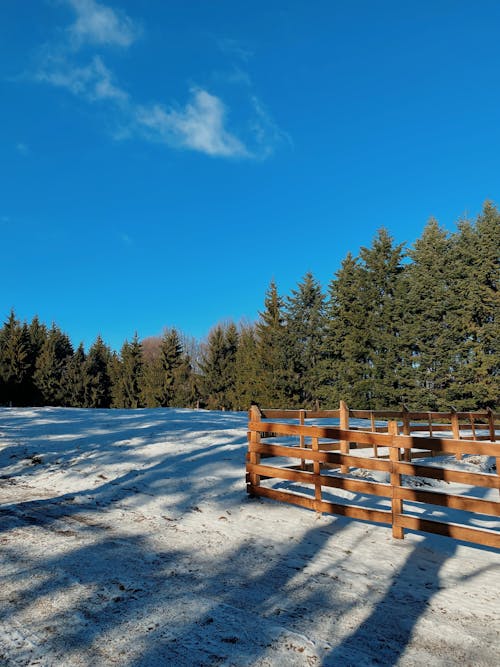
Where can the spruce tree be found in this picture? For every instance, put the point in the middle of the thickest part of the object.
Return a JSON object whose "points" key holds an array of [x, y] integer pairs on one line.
{"points": [[246, 388], [382, 269], [218, 367], [345, 367], [306, 332], [98, 384], [427, 339], [73, 379], [37, 332], [171, 357], [275, 373], [14, 361], [476, 366], [50, 364], [127, 393]]}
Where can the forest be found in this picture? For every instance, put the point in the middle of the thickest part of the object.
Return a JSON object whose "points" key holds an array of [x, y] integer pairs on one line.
{"points": [[416, 326]]}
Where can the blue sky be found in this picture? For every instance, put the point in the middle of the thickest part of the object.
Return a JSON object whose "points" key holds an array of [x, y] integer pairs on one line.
{"points": [[161, 162]]}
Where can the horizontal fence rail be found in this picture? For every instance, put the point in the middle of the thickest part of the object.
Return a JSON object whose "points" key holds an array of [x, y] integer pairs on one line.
{"points": [[319, 458]]}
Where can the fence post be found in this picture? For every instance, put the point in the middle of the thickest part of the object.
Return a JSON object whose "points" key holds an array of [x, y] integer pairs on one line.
{"points": [[317, 473], [491, 424], [396, 503], [254, 414], [373, 427], [406, 431], [472, 425], [344, 424], [302, 439], [455, 428]]}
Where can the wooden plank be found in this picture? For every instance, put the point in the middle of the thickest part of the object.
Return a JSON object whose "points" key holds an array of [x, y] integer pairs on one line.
{"points": [[429, 415], [322, 414], [447, 446], [478, 536], [467, 504], [274, 413], [379, 414], [331, 433], [304, 477], [324, 457], [477, 415], [352, 511], [447, 475], [271, 413]]}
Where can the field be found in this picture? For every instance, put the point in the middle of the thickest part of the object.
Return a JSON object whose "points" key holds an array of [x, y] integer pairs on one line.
{"points": [[127, 538]]}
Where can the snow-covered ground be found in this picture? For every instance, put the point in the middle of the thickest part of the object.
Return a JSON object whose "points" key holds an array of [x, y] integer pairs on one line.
{"points": [[127, 538]]}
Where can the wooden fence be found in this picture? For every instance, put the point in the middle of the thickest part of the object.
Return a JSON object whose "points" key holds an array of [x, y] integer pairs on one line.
{"points": [[324, 460]]}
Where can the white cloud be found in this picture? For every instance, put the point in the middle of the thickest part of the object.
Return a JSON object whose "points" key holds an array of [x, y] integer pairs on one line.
{"points": [[93, 82], [266, 134], [199, 126], [98, 24]]}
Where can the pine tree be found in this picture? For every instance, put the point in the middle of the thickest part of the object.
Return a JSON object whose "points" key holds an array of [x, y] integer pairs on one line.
{"points": [[218, 367], [73, 379], [171, 357], [306, 331], [128, 386], [247, 388], [427, 339], [275, 373], [345, 368], [382, 269], [50, 364], [14, 361], [476, 364], [98, 384], [37, 336]]}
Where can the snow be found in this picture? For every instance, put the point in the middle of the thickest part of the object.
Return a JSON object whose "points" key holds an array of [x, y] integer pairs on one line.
{"points": [[127, 538]]}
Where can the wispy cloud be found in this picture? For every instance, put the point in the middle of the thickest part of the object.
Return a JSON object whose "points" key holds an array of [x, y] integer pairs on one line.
{"points": [[101, 25], [199, 126], [93, 82]]}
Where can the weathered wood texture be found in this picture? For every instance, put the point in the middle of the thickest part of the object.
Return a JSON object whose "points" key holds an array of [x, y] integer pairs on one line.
{"points": [[307, 452]]}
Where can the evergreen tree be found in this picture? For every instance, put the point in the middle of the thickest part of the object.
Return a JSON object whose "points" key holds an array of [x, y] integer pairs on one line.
{"points": [[50, 364], [37, 336], [218, 367], [306, 332], [98, 384], [345, 368], [171, 358], [427, 341], [246, 388], [73, 379], [128, 385], [14, 361], [275, 373], [476, 366], [382, 269]]}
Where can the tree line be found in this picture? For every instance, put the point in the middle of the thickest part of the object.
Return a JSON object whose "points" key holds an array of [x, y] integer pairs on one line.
{"points": [[416, 326]]}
